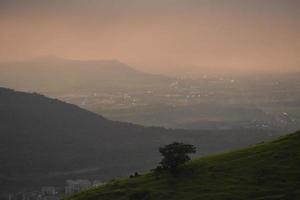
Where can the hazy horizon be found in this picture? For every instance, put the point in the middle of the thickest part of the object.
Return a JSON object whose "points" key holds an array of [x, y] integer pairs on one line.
{"points": [[157, 36], [107, 99]]}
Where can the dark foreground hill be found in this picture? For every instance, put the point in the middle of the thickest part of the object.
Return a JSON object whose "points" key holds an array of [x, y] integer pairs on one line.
{"points": [[264, 172], [45, 141]]}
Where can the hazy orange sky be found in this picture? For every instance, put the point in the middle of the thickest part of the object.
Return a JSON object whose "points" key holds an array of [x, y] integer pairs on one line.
{"points": [[156, 35]]}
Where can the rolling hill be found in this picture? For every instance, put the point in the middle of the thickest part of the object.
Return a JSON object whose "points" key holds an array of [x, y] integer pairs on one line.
{"points": [[46, 141], [268, 171]]}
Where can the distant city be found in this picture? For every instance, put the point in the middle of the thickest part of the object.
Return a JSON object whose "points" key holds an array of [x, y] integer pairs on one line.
{"points": [[207, 103]]}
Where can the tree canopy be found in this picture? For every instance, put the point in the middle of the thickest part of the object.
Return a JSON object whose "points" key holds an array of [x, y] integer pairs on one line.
{"points": [[175, 154]]}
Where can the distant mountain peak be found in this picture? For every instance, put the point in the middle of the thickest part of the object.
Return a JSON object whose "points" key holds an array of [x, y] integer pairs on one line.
{"points": [[103, 63], [49, 58]]}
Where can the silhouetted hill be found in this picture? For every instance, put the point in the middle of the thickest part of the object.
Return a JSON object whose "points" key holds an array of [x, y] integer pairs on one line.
{"points": [[265, 171], [54, 75], [44, 141]]}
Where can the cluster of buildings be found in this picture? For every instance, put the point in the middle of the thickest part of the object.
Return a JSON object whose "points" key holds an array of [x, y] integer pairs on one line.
{"points": [[74, 186], [56, 193]]}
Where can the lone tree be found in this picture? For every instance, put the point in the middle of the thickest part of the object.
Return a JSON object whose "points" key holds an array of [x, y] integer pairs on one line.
{"points": [[174, 155]]}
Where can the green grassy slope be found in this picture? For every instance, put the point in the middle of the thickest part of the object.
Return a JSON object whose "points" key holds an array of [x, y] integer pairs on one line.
{"points": [[262, 172]]}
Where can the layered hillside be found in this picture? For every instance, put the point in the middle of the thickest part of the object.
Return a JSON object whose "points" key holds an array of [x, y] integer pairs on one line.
{"points": [[265, 171], [46, 141]]}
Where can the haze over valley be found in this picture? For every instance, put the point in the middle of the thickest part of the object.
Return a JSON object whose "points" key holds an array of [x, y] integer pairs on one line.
{"points": [[149, 99], [120, 92]]}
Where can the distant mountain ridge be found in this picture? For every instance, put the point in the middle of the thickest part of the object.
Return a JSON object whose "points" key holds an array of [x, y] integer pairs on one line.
{"points": [[46, 141], [58, 75]]}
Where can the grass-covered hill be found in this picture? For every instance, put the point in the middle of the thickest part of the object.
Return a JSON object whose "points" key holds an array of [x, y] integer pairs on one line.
{"points": [[262, 172]]}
